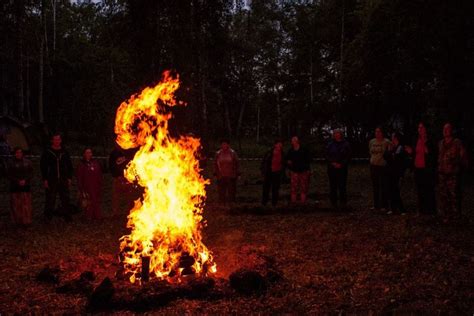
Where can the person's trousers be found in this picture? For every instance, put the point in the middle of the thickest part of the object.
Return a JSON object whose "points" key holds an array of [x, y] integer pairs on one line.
{"points": [[395, 198], [449, 194], [93, 210], [121, 190], [226, 189], [21, 208], [300, 182], [271, 181], [425, 187], [337, 185], [379, 176], [55, 188]]}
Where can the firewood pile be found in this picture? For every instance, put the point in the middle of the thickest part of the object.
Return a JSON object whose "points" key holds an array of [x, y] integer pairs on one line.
{"points": [[114, 294]]}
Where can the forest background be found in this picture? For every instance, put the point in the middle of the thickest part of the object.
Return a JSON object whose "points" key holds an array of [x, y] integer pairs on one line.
{"points": [[251, 71]]}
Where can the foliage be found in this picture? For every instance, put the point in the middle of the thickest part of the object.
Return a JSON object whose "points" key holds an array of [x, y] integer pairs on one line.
{"points": [[249, 68]]}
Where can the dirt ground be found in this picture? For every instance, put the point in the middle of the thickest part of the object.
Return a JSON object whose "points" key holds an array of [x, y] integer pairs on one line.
{"points": [[357, 262]]}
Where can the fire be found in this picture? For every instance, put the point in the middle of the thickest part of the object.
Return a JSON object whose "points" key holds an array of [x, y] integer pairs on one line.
{"points": [[166, 222]]}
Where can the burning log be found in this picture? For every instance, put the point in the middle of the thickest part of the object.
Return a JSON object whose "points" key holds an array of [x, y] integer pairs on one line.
{"points": [[186, 263], [153, 294], [145, 268], [108, 297]]}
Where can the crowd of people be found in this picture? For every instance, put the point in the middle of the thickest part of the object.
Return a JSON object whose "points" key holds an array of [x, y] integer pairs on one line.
{"points": [[443, 164], [57, 172]]}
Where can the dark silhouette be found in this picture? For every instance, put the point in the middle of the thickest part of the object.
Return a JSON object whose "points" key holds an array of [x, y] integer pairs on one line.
{"points": [[56, 171], [89, 184], [20, 173], [338, 155], [272, 168]]}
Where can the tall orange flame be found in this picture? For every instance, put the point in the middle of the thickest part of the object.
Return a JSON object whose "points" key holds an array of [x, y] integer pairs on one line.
{"points": [[166, 222]]}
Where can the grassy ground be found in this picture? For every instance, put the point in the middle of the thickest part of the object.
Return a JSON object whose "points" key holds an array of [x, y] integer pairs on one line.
{"points": [[356, 262]]}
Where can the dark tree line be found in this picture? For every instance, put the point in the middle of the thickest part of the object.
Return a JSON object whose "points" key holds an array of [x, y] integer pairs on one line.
{"points": [[250, 69]]}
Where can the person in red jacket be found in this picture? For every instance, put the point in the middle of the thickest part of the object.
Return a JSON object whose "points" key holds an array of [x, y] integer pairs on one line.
{"points": [[226, 170], [89, 184], [424, 154], [272, 168]]}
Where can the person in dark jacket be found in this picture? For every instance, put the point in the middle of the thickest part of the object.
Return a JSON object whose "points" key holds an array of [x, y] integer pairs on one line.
{"points": [[272, 167], [56, 171], [20, 172], [89, 184], [397, 159], [338, 155], [424, 155], [121, 188], [298, 161]]}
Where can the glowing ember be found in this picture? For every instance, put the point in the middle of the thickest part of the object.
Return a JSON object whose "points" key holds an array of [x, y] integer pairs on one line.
{"points": [[166, 223]]}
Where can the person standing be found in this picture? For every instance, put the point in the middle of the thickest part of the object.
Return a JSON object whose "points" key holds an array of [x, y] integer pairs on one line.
{"points": [[424, 163], [298, 161], [397, 162], [226, 170], [20, 173], [452, 161], [121, 188], [4, 147], [56, 171], [272, 168], [5, 151], [338, 155], [378, 169], [89, 184]]}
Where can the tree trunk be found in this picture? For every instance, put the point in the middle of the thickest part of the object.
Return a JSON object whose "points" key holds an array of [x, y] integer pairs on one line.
{"points": [[43, 47], [112, 74], [53, 3], [278, 108], [28, 90], [227, 118], [197, 28], [41, 82], [3, 86], [258, 123], [20, 91], [204, 131], [239, 123], [311, 77], [341, 63]]}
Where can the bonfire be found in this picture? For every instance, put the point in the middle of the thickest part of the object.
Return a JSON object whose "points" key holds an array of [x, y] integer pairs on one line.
{"points": [[165, 240]]}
